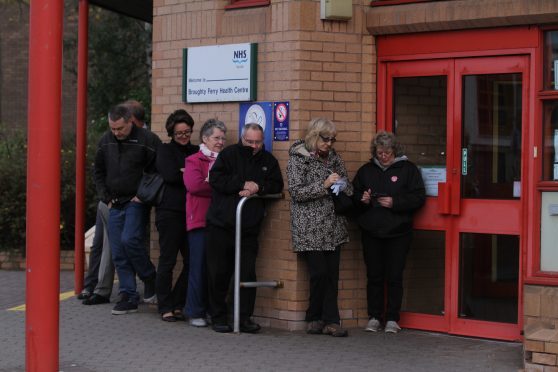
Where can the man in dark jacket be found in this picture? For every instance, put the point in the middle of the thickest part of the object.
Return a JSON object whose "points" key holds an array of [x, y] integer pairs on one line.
{"points": [[123, 154], [240, 170]]}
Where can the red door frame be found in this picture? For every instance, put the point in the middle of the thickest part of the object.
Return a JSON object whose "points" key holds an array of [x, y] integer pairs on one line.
{"points": [[432, 50]]}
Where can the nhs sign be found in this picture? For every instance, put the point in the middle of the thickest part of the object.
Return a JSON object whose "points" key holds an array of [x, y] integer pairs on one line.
{"points": [[220, 73]]}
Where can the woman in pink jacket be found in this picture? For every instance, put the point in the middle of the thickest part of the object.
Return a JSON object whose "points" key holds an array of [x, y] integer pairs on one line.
{"points": [[198, 197]]}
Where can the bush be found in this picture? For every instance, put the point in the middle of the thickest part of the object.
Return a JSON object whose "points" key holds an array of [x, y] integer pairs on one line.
{"points": [[13, 177]]}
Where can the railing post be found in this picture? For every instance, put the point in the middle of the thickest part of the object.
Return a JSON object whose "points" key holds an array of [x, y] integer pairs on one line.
{"points": [[81, 144], [43, 185], [237, 242]]}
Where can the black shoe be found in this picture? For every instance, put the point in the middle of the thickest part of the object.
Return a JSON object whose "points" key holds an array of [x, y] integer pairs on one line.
{"points": [[248, 326], [84, 295], [96, 299], [149, 296], [124, 307], [222, 327]]}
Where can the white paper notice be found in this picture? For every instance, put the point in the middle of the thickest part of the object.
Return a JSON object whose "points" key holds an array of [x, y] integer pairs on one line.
{"points": [[432, 176], [516, 189]]}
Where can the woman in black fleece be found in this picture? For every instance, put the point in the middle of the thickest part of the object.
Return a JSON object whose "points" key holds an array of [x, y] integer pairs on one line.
{"points": [[388, 190], [170, 217]]}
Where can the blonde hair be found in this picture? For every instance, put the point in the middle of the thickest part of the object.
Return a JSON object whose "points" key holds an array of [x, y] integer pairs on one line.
{"points": [[317, 127]]}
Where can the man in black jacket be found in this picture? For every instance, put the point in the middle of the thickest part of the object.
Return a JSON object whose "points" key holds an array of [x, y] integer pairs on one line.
{"points": [[123, 154], [240, 170]]}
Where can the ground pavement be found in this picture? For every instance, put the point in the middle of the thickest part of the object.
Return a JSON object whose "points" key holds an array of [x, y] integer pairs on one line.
{"points": [[91, 339]]}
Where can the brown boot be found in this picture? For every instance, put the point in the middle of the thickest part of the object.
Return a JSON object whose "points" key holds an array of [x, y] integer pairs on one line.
{"points": [[315, 327], [335, 330]]}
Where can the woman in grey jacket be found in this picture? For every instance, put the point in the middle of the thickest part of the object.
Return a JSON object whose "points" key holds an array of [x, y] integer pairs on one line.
{"points": [[317, 231]]}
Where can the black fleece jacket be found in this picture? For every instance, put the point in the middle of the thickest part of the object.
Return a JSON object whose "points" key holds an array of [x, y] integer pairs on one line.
{"points": [[403, 182], [119, 165], [234, 166], [170, 159]]}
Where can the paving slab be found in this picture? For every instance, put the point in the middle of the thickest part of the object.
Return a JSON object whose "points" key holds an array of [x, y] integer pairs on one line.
{"points": [[91, 339]]}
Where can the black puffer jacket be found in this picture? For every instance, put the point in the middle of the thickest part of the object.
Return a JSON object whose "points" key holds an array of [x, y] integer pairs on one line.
{"points": [[403, 182], [170, 159], [119, 165], [234, 166]]}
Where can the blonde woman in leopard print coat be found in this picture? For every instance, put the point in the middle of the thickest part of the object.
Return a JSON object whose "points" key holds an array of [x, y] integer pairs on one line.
{"points": [[317, 231]]}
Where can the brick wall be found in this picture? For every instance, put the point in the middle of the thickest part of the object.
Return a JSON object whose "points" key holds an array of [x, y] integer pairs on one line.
{"points": [[323, 68], [14, 260], [540, 314]]}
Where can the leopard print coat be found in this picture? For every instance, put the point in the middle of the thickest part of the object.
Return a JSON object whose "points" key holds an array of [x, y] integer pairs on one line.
{"points": [[314, 224]]}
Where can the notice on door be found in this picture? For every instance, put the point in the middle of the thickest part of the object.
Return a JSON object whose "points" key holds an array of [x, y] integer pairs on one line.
{"points": [[432, 175]]}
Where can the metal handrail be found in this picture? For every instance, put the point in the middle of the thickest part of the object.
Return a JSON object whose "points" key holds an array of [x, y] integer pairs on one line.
{"points": [[237, 284]]}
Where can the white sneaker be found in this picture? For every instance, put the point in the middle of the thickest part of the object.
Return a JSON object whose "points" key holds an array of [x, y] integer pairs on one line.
{"points": [[373, 325], [150, 300], [392, 327], [198, 322]]}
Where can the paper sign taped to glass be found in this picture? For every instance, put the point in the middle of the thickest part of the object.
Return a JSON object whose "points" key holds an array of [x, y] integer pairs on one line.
{"points": [[432, 175]]}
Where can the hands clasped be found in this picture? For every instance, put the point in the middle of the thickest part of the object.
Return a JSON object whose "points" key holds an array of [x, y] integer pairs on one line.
{"points": [[249, 188]]}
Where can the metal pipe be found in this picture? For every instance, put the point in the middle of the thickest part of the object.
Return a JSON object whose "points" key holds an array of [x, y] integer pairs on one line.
{"points": [[43, 185], [270, 284], [237, 240], [81, 144]]}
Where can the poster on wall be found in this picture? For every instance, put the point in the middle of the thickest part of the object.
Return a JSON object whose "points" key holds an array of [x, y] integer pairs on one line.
{"points": [[220, 73], [259, 113], [281, 121]]}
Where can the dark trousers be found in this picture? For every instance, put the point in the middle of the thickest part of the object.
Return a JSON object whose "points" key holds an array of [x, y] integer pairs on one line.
{"points": [[126, 230], [220, 269], [197, 277], [172, 239], [385, 261], [323, 267]]}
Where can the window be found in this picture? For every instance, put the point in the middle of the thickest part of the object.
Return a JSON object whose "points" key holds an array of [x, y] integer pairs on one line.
{"points": [[235, 4], [397, 2], [544, 257]]}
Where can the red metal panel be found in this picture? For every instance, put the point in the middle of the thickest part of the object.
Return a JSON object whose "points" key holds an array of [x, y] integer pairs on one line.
{"points": [[457, 41], [43, 185]]}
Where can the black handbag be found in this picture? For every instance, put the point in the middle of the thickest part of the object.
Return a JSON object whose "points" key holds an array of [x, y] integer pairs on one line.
{"points": [[342, 203], [151, 189]]}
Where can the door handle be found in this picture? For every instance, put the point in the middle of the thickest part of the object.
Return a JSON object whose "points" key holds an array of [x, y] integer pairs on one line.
{"points": [[444, 198]]}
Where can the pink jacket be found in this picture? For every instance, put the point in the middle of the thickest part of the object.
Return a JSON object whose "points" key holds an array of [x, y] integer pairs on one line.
{"points": [[198, 191]]}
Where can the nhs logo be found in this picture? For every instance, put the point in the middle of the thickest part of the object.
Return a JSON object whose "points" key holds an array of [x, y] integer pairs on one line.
{"points": [[240, 56]]}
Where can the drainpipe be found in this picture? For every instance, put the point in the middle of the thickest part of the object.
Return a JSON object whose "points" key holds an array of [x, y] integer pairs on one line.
{"points": [[43, 185]]}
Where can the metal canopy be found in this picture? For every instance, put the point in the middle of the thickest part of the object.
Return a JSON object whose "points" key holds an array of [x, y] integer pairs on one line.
{"points": [[139, 9]]}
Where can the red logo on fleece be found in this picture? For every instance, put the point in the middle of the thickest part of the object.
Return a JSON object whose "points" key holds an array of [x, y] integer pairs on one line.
{"points": [[394, 178]]}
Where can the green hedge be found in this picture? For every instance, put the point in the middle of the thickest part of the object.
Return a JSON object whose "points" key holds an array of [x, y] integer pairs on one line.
{"points": [[13, 175]]}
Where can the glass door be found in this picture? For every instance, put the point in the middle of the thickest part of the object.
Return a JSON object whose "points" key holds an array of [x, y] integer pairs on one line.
{"points": [[419, 113], [490, 100], [461, 122]]}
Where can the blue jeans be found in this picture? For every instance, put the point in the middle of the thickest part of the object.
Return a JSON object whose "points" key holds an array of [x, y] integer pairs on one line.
{"points": [[126, 230], [196, 302]]}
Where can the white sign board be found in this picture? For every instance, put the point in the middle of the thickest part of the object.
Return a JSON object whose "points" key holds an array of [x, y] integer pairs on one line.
{"points": [[220, 73]]}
